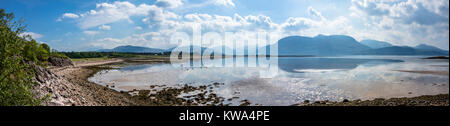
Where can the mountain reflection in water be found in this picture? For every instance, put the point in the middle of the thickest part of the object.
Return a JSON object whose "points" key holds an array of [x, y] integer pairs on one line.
{"points": [[296, 79], [292, 64]]}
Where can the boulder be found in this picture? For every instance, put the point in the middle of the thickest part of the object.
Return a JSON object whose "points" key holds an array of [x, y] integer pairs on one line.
{"points": [[60, 61]]}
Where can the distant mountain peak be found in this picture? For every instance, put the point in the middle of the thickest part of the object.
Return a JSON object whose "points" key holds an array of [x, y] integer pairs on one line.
{"points": [[127, 46], [319, 45], [321, 35], [375, 44], [427, 47], [133, 49], [322, 45]]}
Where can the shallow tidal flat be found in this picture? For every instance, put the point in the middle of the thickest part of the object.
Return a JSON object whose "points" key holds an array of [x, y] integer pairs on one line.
{"points": [[295, 80]]}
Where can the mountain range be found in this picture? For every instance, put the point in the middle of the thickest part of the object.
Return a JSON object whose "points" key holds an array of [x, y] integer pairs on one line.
{"points": [[374, 44], [320, 45], [133, 49], [430, 48], [333, 45], [401, 50]]}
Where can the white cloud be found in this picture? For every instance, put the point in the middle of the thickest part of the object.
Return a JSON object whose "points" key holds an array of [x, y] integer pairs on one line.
{"points": [[32, 34], [91, 32], [222, 24], [382, 20], [298, 24], [225, 3], [106, 13], [440, 7], [406, 12], [164, 23], [68, 15], [406, 22], [104, 27], [315, 14], [158, 15], [168, 3]]}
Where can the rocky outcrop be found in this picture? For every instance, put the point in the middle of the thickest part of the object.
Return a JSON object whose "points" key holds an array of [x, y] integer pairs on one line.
{"points": [[60, 61], [68, 86], [59, 91]]}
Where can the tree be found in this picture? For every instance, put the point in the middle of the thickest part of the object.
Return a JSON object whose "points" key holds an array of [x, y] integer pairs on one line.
{"points": [[45, 47], [16, 56]]}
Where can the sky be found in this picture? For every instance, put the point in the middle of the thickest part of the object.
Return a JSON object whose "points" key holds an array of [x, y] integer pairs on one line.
{"points": [[87, 25]]}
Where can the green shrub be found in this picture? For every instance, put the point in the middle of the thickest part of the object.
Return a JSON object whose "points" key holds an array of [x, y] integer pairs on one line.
{"points": [[17, 55]]}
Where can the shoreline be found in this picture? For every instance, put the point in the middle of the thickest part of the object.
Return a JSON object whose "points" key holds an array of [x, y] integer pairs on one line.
{"points": [[424, 100], [98, 95], [70, 87]]}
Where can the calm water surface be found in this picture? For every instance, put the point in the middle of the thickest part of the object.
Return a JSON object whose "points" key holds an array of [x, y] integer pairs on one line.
{"points": [[295, 79]]}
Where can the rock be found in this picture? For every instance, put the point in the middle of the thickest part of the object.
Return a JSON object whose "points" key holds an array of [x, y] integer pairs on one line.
{"points": [[437, 57], [60, 61], [306, 102], [345, 100]]}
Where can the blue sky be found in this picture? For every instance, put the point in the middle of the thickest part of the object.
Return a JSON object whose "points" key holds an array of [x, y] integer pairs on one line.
{"points": [[83, 25]]}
